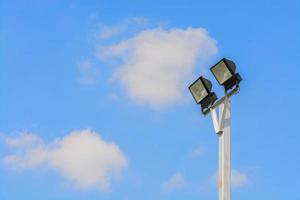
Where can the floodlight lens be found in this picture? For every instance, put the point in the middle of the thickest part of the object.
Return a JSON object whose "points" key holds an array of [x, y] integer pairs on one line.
{"points": [[198, 91], [221, 72]]}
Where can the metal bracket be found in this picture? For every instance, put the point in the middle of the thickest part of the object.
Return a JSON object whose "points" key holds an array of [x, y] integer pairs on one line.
{"points": [[215, 120], [219, 102], [223, 113], [219, 122]]}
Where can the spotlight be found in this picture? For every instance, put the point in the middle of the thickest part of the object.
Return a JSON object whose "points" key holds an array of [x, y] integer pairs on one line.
{"points": [[201, 91], [224, 72]]}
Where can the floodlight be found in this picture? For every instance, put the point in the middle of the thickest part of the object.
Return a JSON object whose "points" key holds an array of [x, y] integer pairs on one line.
{"points": [[224, 72], [201, 91]]}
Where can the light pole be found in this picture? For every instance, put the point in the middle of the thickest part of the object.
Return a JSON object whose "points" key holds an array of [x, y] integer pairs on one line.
{"points": [[224, 72]]}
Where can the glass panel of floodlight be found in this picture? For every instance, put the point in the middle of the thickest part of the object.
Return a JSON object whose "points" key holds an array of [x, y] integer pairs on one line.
{"points": [[198, 91], [221, 72]]}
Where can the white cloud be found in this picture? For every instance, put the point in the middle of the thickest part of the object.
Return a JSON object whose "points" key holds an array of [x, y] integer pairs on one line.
{"points": [[238, 178], [82, 157], [198, 151], [89, 74], [157, 63], [177, 181]]}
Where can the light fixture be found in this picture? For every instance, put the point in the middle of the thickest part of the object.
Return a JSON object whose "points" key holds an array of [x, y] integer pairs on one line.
{"points": [[201, 91], [224, 72]]}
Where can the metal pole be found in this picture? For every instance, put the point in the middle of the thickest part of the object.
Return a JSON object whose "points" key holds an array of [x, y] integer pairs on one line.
{"points": [[224, 153]]}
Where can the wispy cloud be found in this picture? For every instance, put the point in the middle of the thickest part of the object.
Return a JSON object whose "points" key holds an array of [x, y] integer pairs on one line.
{"points": [[89, 73], [107, 32], [238, 178], [157, 63], [82, 157], [177, 181], [198, 151]]}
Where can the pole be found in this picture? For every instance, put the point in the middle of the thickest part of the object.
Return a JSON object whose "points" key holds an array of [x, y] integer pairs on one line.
{"points": [[224, 153], [222, 128]]}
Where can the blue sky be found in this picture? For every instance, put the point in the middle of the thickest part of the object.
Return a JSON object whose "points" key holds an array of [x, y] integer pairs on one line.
{"points": [[95, 105]]}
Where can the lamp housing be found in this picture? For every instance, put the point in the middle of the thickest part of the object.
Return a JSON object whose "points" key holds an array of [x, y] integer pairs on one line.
{"points": [[224, 72], [201, 92]]}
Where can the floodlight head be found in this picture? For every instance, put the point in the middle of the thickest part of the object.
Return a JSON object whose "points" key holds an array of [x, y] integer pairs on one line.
{"points": [[224, 72], [201, 91]]}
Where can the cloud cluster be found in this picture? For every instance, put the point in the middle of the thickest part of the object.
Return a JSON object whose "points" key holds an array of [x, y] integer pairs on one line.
{"points": [[83, 157], [157, 63]]}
